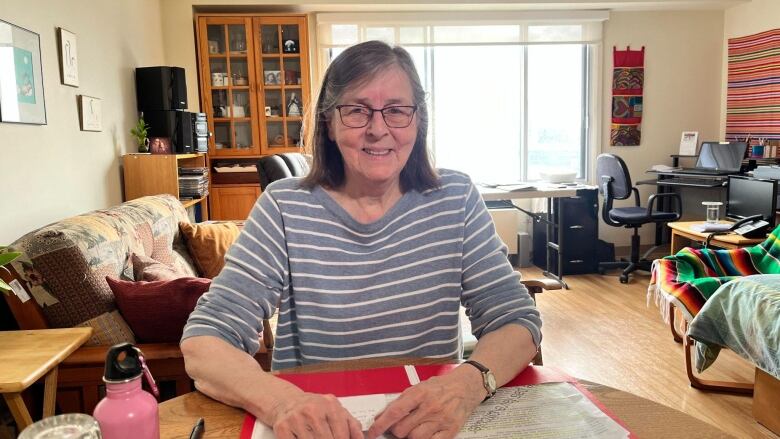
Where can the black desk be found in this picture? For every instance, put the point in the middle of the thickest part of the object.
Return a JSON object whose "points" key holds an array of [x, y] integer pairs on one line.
{"points": [[667, 181]]}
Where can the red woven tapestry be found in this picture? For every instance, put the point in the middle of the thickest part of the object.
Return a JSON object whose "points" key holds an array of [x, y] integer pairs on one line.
{"points": [[628, 79], [753, 101]]}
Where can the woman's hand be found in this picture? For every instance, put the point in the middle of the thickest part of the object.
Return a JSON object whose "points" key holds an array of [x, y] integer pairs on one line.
{"points": [[435, 408], [312, 416]]}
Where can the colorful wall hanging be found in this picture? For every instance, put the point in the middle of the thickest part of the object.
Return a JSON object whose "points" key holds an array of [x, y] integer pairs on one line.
{"points": [[753, 99], [628, 79]]}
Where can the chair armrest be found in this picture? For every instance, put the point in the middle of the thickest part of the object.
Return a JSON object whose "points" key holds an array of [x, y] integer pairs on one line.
{"points": [[674, 196], [96, 355], [545, 284]]}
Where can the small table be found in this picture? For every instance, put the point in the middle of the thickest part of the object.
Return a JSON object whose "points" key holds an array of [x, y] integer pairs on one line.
{"points": [[682, 233], [643, 417], [26, 356]]}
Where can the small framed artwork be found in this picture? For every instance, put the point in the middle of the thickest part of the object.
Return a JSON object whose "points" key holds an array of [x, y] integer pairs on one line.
{"points": [[90, 113], [160, 145], [69, 63], [272, 77], [290, 46], [688, 142], [21, 76]]}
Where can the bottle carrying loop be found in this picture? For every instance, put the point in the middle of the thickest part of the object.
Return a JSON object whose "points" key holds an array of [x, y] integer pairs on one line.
{"points": [[148, 375]]}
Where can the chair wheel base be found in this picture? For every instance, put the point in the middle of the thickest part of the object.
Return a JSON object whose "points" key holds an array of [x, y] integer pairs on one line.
{"points": [[623, 278]]}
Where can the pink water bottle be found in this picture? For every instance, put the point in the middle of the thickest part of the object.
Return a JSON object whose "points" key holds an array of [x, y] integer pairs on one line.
{"points": [[127, 411]]}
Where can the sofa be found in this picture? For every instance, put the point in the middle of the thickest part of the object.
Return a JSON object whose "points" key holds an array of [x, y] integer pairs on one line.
{"points": [[64, 266]]}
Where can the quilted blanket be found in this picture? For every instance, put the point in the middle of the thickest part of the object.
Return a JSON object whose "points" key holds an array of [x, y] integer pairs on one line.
{"points": [[688, 278]]}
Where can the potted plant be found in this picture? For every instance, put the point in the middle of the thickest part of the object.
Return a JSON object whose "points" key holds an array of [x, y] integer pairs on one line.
{"points": [[5, 258], [139, 132]]}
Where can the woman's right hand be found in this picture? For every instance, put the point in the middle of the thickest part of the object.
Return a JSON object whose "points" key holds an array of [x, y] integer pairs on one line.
{"points": [[313, 416]]}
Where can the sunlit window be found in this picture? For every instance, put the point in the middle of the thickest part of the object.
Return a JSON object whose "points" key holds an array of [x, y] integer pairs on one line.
{"points": [[500, 110]]}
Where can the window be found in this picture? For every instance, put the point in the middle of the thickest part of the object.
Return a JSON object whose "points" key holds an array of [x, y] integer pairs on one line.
{"points": [[506, 101]]}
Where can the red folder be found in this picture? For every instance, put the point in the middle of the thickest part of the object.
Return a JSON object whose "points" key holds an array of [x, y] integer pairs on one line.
{"points": [[396, 380]]}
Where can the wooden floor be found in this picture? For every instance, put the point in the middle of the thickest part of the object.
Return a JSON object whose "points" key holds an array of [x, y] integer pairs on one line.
{"points": [[603, 331]]}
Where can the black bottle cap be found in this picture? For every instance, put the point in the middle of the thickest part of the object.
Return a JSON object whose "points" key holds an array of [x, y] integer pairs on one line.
{"points": [[122, 367]]}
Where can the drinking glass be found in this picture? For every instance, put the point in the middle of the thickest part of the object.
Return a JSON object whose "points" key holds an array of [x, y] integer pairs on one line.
{"points": [[713, 210], [67, 426]]}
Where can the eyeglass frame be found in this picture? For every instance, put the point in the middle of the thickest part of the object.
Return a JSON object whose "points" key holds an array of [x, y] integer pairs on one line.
{"points": [[374, 110]]}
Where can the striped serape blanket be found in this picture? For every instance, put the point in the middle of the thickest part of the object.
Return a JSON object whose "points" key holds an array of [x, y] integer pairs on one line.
{"points": [[688, 278]]}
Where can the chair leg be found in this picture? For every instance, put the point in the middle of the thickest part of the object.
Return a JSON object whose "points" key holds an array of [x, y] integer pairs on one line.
{"points": [[711, 385]]}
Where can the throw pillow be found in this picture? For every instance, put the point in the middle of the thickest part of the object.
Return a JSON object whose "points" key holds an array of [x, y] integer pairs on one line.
{"points": [[148, 269], [208, 244], [157, 311]]}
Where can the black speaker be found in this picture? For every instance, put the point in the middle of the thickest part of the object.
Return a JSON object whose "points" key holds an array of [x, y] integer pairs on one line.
{"points": [[176, 125], [160, 88]]}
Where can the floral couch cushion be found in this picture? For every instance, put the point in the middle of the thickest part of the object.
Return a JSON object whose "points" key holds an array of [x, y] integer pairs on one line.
{"points": [[65, 264]]}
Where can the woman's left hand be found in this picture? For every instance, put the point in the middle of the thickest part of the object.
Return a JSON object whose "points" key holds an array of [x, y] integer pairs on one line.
{"points": [[435, 408]]}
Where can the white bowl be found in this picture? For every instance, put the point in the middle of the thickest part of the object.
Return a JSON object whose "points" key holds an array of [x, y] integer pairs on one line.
{"points": [[559, 177]]}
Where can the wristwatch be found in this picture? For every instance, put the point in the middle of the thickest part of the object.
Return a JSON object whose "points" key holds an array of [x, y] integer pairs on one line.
{"points": [[488, 379]]}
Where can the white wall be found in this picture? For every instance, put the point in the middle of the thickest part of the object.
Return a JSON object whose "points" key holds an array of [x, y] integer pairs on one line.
{"points": [[53, 171], [739, 21], [683, 52]]}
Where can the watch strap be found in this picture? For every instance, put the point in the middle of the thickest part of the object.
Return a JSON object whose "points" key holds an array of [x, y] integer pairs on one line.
{"points": [[485, 372]]}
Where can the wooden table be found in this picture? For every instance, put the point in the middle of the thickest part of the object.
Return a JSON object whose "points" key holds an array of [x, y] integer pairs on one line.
{"points": [[682, 234], [26, 356], [643, 417]]}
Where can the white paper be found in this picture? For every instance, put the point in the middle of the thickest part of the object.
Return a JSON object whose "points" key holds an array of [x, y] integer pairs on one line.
{"points": [[688, 142], [19, 290], [554, 410]]}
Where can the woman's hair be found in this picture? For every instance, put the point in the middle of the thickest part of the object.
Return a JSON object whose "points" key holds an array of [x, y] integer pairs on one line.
{"points": [[353, 67]]}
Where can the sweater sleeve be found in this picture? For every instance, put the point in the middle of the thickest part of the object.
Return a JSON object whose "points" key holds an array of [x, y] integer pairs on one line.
{"points": [[492, 293], [248, 288]]}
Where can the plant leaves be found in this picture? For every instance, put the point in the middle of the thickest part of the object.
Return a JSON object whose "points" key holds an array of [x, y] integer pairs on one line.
{"points": [[4, 286], [8, 257]]}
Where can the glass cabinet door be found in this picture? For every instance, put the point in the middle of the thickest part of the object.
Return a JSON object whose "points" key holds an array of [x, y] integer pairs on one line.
{"points": [[284, 78], [228, 83]]}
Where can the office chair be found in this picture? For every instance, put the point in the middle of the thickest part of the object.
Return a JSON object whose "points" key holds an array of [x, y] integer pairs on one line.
{"points": [[278, 166], [615, 184]]}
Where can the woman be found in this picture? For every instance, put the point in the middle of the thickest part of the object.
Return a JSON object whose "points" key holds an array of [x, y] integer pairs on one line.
{"points": [[370, 255]]}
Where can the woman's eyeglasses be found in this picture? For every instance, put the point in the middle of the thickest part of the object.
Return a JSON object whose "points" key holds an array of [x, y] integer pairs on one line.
{"points": [[395, 116]]}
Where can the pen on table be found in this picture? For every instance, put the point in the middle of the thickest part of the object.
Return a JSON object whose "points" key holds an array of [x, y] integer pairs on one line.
{"points": [[197, 430]]}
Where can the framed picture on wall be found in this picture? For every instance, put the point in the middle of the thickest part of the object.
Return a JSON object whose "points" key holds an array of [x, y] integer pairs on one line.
{"points": [[90, 113], [69, 63], [21, 76]]}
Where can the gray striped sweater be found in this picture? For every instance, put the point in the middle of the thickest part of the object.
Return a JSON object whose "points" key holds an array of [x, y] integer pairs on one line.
{"points": [[346, 290]]}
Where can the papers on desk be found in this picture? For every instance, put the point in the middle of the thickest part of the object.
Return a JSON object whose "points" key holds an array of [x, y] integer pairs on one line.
{"points": [[510, 187], [709, 227], [538, 403]]}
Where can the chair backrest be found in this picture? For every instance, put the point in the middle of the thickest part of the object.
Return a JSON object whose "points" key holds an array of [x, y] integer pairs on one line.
{"points": [[296, 162], [610, 165], [278, 166]]}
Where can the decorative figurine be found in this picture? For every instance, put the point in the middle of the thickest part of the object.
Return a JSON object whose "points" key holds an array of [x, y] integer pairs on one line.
{"points": [[294, 106]]}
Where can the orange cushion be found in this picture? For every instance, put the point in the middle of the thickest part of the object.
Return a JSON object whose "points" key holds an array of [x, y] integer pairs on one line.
{"points": [[208, 243]]}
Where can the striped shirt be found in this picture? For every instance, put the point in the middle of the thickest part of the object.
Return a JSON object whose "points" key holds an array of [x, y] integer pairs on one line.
{"points": [[346, 290]]}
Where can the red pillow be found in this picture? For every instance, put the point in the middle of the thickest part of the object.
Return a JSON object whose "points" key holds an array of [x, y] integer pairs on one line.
{"points": [[157, 311]]}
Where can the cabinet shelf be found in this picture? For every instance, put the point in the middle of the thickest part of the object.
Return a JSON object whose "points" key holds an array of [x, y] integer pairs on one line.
{"points": [[191, 202]]}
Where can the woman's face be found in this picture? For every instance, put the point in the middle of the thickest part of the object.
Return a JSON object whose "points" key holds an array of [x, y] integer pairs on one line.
{"points": [[375, 154]]}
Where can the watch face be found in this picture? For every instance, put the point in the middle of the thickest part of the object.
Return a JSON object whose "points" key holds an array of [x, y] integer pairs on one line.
{"points": [[491, 381]]}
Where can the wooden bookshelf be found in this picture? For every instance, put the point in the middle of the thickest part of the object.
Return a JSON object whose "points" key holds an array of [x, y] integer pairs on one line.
{"points": [[153, 174]]}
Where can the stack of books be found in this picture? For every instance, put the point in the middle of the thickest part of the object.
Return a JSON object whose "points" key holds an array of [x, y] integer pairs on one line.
{"points": [[193, 182]]}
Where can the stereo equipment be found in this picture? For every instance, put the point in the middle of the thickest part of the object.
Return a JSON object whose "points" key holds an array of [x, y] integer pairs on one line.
{"points": [[200, 134], [176, 125], [160, 88]]}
